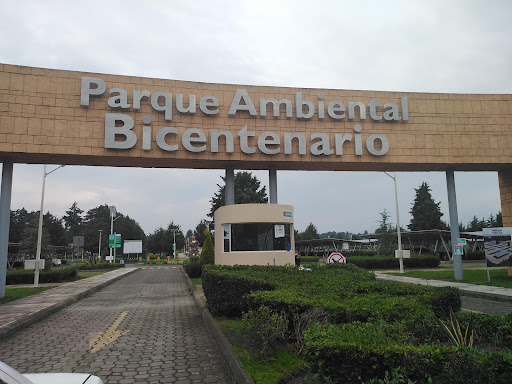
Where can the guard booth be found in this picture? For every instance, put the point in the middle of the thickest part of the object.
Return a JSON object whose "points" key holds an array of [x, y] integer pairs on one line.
{"points": [[254, 234]]}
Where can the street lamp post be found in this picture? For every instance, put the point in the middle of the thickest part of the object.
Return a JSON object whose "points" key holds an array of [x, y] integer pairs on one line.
{"points": [[99, 245], [40, 230], [174, 243], [400, 254], [113, 212]]}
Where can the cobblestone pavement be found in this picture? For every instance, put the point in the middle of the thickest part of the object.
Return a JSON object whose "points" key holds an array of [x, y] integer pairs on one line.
{"points": [[144, 328], [486, 306]]}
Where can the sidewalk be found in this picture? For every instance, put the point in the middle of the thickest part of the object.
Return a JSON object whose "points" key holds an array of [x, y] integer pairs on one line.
{"points": [[23, 312], [473, 290]]}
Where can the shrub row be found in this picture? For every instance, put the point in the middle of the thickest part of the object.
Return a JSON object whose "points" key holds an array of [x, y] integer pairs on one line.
{"points": [[358, 352], [193, 270], [346, 292], [89, 267], [54, 276], [388, 262]]}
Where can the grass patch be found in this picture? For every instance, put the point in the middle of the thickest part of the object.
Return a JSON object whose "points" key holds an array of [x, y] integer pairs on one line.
{"points": [[499, 277], [196, 281], [85, 275], [12, 294], [283, 364]]}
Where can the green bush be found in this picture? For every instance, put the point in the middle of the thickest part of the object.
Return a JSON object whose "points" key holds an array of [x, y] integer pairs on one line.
{"points": [[265, 328], [388, 262], [489, 329], [25, 276], [64, 261], [193, 270], [309, 259], [346, 293], [225, 294], [89, 267], [441, 299], [356, 352], [208, 251]]}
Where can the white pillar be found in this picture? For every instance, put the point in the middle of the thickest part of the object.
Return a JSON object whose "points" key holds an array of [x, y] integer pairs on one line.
{"points": [[40, 232], [229, 193], [454, 224], [5, 220], [272, 185]]}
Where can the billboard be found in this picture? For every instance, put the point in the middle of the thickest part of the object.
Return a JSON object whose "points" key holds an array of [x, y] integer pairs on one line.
{"points": [[132, 246], [498, 246]]}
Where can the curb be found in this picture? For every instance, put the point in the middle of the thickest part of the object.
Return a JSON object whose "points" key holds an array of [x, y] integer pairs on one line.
{"points": [[462, 287], [9, 329], [237, 372]]}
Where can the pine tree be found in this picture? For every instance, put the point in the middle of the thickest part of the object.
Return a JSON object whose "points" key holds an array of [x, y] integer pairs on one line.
{"points": [[425, 213], [247, 190], [208, 251]]}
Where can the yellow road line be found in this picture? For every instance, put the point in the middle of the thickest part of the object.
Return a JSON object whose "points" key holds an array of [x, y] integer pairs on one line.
{"points": [[99, 340], [470, 310]]}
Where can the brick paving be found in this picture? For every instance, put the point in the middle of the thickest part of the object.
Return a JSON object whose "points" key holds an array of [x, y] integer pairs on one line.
{"points": [[160, 338]]}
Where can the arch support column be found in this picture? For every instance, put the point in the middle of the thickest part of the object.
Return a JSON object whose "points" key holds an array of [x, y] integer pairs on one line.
{"points": [[229, 193], [454, 224], [5, 220], [272, 185]]}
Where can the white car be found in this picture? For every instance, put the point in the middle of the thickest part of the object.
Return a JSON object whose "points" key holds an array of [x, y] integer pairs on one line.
{"points": [[9, 375], [56, 262]]}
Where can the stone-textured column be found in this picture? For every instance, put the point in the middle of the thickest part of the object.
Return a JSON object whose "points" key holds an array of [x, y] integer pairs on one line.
{"points": [[229, 193], [5, 220], [272, 185], [454, 224], [505, 180]]}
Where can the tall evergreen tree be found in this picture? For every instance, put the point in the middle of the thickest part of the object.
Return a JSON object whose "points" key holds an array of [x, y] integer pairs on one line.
{"points": [[73, 220], [310, 233], [199, 232], [425, 213], [247, 190]]}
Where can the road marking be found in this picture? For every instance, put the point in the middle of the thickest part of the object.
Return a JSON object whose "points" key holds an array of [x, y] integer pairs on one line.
{"points": [[470, 310], [99, 340]]}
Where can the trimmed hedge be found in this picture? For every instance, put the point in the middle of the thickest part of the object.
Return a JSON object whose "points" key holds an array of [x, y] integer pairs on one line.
{"points": [[90, 267], [388, 262], [358, 352], [54, 276], [347, 293], [193, 270]]}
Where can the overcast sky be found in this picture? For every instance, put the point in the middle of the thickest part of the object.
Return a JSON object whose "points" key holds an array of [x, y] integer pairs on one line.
{"points": [[422, 46]]}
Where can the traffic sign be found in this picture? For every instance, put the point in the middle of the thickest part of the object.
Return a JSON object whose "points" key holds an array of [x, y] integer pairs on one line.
{"points": [[461, 241], [458, 250], [336, 257]]}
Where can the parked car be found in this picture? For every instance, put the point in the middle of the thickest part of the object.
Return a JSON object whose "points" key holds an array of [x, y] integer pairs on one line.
{"points": [[9, 375], [56, 261]]}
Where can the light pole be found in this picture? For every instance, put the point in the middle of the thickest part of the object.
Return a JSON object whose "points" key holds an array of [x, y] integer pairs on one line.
{"points": [[174, 243], [99, 245], [40, 230], [400, 255], [113, 212]]}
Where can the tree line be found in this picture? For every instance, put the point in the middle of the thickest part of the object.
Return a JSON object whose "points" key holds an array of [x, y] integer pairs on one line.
{"points": [[425, 214]]}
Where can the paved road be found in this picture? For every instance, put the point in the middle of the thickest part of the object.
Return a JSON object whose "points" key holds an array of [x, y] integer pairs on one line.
{"points": [[144, 328], [486, 306]]}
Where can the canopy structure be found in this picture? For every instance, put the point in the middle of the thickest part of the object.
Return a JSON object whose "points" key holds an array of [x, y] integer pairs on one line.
{"points": [[435, 241], [324, 247]]}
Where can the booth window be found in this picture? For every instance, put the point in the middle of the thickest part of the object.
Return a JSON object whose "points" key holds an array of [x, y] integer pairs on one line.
{"points": [[258, 237]]}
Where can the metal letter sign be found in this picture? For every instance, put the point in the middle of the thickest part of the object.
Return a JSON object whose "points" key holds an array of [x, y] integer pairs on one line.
{"points": [[118, 240], [111, 241]]}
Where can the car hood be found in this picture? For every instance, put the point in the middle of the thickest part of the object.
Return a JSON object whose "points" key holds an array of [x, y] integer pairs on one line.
{"points": [[63, 378]]}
